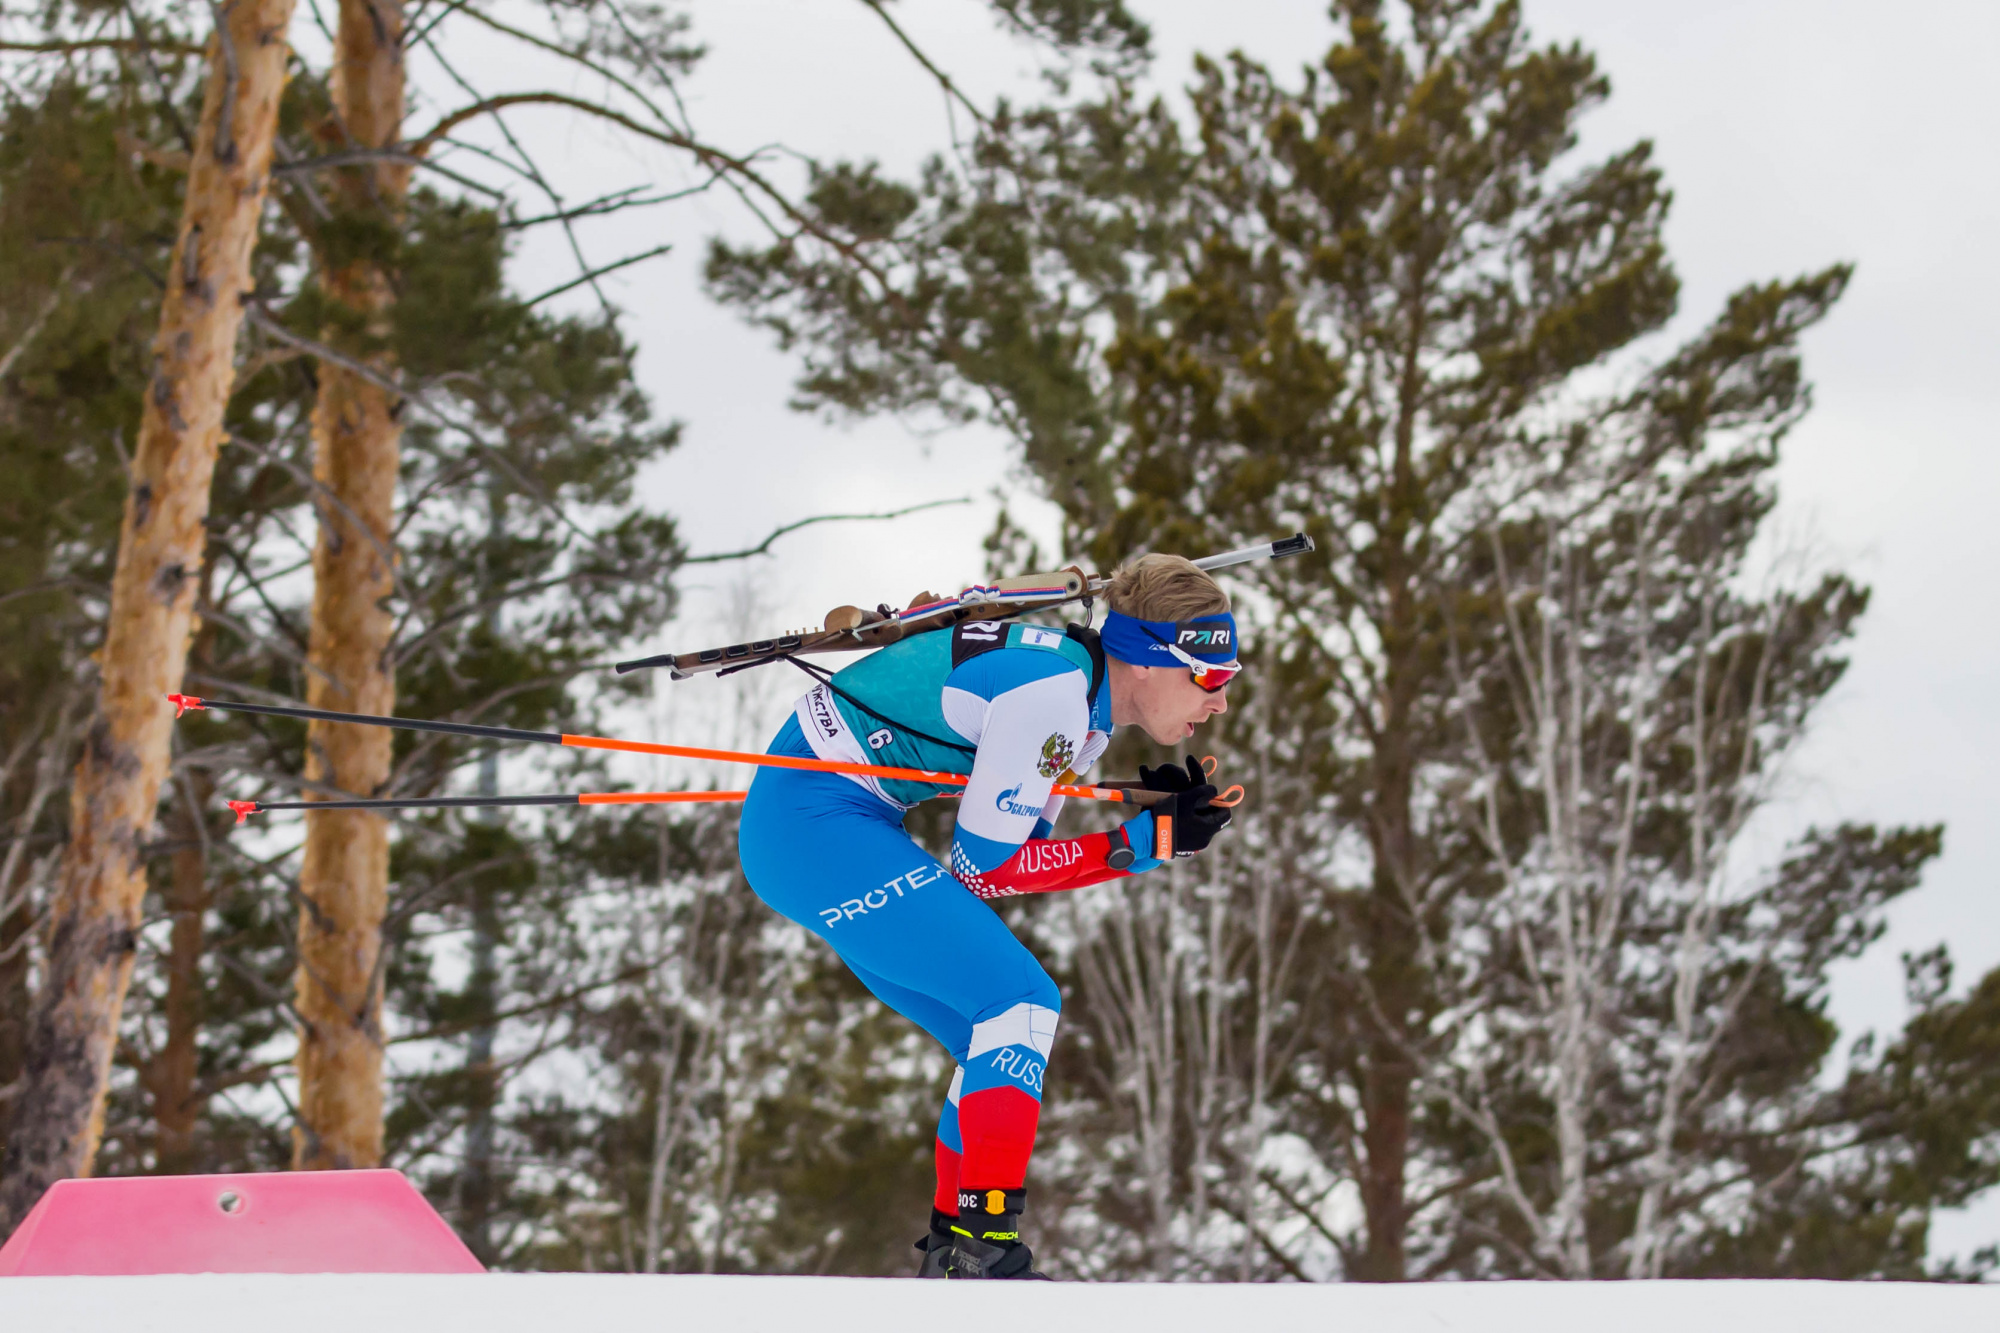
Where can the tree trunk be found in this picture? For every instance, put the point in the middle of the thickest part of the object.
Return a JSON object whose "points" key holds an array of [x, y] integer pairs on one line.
{"points": [[1394, 924], [21, 875], [170, 1076], [59, 1113], [356, 439], [478, 1188], [1389, 1071], [17, 916]]}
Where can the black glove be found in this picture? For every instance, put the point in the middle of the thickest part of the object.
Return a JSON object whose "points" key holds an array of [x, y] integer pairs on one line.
{"points": [[1195, 821], [1172, 777]]}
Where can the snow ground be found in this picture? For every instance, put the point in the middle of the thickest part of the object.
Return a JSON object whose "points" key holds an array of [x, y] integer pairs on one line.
{"points": [[391, 1303]]}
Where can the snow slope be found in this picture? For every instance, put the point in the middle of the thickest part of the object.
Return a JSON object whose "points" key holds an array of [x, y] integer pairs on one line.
{"points": [[551, 1303]]}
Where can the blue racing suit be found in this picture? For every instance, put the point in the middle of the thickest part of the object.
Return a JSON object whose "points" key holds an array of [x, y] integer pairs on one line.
{"points": [[1014, 707]]}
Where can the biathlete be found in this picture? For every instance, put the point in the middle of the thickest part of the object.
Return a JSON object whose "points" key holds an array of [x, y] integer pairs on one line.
{"points": [[1023, 705]]}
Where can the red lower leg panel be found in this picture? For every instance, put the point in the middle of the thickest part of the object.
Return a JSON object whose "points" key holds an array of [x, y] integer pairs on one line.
{"points": [[997, 1126], [946, 1199]]}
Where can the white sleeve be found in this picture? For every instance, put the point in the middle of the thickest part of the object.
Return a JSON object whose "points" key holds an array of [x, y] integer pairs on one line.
{"points": [[1045, 827]]}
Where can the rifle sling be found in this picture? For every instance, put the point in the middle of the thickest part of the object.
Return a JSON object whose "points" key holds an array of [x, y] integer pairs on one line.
{"points": [[825, 678]]}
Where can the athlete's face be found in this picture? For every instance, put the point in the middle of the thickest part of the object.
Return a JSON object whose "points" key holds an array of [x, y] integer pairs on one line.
{"points": [[1163, 702]]}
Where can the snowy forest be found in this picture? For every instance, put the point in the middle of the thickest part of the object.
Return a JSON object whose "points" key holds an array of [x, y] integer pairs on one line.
{"points": [[1493, 976]]}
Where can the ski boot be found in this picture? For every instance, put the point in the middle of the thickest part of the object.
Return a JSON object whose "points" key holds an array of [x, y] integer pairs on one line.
{"points": [[936, 1246], [986, 1237]]}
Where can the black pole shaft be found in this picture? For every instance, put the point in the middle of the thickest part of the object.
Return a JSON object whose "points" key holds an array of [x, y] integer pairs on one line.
{"points": [[400, 723], [420, 803]]}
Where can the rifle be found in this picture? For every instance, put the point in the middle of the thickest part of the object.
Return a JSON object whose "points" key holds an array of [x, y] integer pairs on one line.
{"points": [[849, 628]]}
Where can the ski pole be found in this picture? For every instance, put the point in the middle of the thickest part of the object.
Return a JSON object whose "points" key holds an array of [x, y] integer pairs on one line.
{"points": [[245, 809], [184, 702]]}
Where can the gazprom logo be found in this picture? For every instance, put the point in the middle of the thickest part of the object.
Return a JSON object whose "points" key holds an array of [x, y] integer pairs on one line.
{"points": [[1007, 805], [1213, 640]]}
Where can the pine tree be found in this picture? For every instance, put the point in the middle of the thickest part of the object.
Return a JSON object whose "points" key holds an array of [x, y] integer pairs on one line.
{"points": [[538, 452], [357, 430], [198, 1021], [202, 1044], [74, 316], [1632, 1033], [57, 1117], [1386, 304]]}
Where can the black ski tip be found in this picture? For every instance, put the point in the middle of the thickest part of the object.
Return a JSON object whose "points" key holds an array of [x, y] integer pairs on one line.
{"points": [[1296, 544], [644, 663]]}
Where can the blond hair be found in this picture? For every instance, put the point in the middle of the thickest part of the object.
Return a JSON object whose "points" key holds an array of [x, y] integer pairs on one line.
{"points": [[1164, 587]]}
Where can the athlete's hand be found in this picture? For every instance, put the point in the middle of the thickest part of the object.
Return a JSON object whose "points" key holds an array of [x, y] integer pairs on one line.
{"points": [[1172, 777], [1196, 822]]}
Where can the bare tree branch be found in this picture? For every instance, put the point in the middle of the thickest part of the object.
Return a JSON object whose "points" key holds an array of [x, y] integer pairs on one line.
{"points": [[593, 275], [70, 46], [764, 547], [615, 202], [38, 322], [944, 80]]}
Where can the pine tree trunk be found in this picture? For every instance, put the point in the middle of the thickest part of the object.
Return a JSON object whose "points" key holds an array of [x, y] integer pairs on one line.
{"points": [[20, 887], [17, 915], [356, 441], [479, 1187], [59, 1112], [1392, 975], [1395, 975], [170, 1076]]}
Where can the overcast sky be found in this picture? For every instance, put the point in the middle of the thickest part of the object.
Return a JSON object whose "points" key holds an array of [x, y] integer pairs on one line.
{"points": [[1794, 133]]}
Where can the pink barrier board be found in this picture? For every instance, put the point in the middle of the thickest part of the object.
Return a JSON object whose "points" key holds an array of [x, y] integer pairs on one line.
{"points": [[279, 1222]]}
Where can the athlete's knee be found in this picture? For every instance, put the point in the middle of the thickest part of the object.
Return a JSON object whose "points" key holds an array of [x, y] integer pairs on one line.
{"points": [[1010, 1048], [1032, 986], [1045, 992]]}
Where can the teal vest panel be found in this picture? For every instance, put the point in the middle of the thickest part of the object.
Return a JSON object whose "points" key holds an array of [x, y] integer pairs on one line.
{"points": [[891, 699]]}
